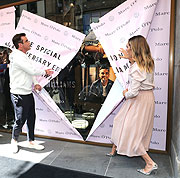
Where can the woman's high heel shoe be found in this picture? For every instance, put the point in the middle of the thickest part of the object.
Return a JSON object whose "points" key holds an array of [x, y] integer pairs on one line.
{"points": [[111, 155], [154, 168]]}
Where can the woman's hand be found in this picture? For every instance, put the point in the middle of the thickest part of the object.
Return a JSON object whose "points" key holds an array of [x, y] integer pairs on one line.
{"points": [[125, 92], [125, 54]]}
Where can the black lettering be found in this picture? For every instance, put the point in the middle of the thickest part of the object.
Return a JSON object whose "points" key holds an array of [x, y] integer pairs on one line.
{"points": [[42, 48], [31, 44], [40, 60], [50, 78], [57, 69], [29, 55], [34, 57], [115, 57], [51, 53], [45, 51], [111, 57], [46, 76], [126, 66], [119, 69], [38, 46], [120, 55], [133, 3], [44, 62], [49, 63], [53, 68], [8, 44], [55, 55]]}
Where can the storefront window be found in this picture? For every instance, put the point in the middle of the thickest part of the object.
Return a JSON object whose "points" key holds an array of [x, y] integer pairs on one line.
{"points": [[78, 89], [91, 17]]}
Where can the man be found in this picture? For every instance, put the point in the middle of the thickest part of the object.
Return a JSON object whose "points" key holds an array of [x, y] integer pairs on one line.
{"points": [[21, 73], [101, 87]]}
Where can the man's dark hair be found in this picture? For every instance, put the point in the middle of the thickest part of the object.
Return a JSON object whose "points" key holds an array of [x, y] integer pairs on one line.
{"points": [[17, 39], [104, 67]]}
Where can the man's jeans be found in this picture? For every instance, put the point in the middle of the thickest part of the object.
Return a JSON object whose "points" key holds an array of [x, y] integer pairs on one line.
{"points": [[24, 109]]}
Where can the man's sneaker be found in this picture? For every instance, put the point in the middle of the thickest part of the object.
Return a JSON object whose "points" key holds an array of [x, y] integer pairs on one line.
{"points": [[14, 146], [35, 146], [5, 126]]}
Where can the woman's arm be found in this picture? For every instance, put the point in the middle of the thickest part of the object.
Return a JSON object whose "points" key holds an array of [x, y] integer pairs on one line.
{"points": [[136, 78], [133, 90]]}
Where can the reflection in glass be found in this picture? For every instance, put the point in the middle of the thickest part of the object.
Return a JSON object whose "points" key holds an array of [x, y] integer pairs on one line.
{"points": [[81, 88]]}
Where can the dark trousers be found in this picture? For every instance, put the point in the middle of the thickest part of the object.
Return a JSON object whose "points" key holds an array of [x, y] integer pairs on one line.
{"points": [[24, 109]]}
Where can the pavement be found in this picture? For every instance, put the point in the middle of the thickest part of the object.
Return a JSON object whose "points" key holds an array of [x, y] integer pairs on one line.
{"points": [[75, 156]]}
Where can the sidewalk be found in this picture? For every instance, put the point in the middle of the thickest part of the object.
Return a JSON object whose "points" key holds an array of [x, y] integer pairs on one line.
{"points": [[75, 156]]}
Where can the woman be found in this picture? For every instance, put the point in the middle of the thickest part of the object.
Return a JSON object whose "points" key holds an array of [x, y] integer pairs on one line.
{"points": [[132, 127]]}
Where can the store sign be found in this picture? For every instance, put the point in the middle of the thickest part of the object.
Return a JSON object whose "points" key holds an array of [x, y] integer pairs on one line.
{"points": [[152, 20]]}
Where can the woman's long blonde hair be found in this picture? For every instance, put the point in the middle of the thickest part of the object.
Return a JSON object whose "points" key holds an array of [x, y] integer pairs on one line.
{"points": [[141, 53]]}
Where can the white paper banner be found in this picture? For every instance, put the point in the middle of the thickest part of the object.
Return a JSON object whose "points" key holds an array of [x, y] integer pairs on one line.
{"points": [[53, 45], [116, 27], [7, 26]]}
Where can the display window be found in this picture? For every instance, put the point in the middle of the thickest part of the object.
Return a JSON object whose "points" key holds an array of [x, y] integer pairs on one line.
{"points": [[82, 86]]}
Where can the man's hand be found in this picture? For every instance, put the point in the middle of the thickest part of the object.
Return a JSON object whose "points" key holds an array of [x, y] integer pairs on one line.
{"points": [[49, 71], [37, 87]]}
